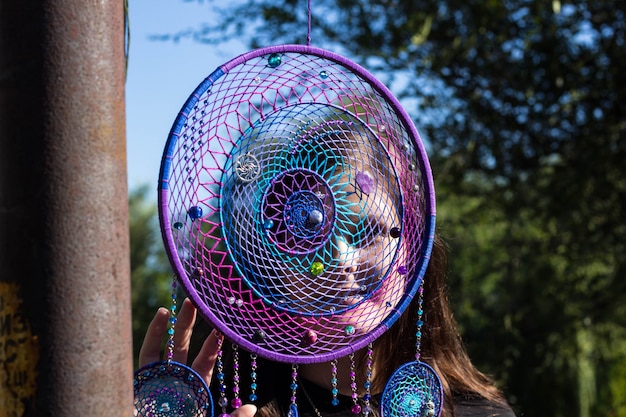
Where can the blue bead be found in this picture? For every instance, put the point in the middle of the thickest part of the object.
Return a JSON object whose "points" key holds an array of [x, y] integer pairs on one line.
{"points": [[194, 212], [335, 402], [274, 60], [252, 397], [253, 386]]}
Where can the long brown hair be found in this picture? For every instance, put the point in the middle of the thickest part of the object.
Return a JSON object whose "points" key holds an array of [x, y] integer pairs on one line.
{"points": [[441, 344]]}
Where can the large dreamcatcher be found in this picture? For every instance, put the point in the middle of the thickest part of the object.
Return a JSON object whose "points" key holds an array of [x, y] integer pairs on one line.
{"points": [[297, 209]]}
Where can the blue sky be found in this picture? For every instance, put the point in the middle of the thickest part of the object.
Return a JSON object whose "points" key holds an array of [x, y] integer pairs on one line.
{"points": [[161, 75]]}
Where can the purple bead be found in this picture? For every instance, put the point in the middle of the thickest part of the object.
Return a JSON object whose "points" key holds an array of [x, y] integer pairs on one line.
{"points": [[310, 337], [365, 182], [356, 409], [236, 402]]}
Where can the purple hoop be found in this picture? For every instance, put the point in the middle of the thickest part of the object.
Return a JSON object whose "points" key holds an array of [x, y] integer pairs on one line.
{"points": [[218, 120]]}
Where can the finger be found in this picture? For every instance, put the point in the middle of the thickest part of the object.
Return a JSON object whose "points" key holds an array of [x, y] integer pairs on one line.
{"points": [[151, 347], [205, 361], [183, 331], [248, 410]]}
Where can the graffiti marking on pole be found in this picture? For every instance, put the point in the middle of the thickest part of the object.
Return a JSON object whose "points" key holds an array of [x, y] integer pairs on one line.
{"points": [[19, 354]]}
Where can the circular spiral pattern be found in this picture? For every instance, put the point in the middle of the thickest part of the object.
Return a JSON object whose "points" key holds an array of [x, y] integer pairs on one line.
{"points": [[295, 200], [247, 168], [164, 389], [414, 390], [302, 211]]}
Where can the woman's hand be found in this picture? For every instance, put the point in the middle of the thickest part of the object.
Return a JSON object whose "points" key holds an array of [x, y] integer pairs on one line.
{"points": [[203, 363]]}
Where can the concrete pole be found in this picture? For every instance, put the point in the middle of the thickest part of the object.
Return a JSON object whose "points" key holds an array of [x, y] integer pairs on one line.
{"points": [[65, 324]]}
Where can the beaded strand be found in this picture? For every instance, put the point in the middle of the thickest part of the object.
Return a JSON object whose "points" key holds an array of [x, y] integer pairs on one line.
{"points": [[356, 408], [172, 322], [367, 409], [253, 384], [333, 382], [293, 407], [420, 322], [236, 401], [223, 401]]}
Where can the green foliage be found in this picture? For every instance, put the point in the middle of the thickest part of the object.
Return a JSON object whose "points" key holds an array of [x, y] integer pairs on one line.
{"points": [[151, 276], [522, 104]]}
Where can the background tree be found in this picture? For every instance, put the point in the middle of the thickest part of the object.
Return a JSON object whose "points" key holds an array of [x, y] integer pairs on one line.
{"points": [[151, 274], [522, 104]]}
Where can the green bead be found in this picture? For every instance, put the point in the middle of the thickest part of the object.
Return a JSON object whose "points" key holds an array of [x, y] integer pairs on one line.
{"points": [[317, 268]]}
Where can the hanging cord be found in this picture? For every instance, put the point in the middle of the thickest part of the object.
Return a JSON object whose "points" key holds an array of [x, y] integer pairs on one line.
{"points": [[308, 35], [127, 37]]}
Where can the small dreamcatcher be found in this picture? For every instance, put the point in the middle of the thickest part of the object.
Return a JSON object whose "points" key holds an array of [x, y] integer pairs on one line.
{"points": [[297, 206], [414, 389], [169, 388]]}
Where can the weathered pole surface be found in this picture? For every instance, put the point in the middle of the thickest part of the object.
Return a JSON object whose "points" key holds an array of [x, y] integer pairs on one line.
{"points": [[65, 334]]}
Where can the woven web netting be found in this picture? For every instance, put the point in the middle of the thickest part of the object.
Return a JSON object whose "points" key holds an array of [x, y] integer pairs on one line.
{"points": [[170, 389]]}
